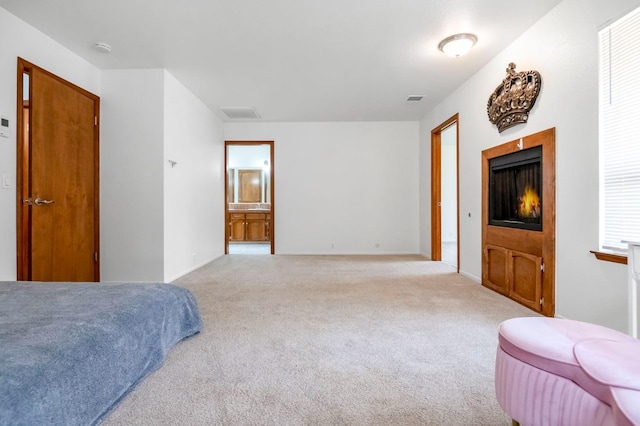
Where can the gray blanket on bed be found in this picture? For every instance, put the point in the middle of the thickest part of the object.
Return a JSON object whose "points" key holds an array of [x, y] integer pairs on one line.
{"points": [[70, 351]]}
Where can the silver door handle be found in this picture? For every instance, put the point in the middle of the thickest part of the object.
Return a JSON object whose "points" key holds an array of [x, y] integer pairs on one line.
{"points": [[39, 201]]}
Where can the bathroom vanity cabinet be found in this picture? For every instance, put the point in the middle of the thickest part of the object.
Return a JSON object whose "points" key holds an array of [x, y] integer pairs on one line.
{"points": [[251, 225]]}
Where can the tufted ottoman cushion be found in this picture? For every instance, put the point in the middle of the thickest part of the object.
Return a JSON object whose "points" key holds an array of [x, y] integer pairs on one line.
{"points": [[547, 343], [603, 363], [615, 365]]}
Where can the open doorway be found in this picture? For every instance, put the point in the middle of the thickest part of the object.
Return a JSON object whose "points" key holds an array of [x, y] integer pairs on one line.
{"points": [[249, 196], [445, 244]]}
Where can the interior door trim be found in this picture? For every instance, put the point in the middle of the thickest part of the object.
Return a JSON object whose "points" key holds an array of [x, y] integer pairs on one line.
{"points": [[23, 164], [271, 184], [436, 188]]}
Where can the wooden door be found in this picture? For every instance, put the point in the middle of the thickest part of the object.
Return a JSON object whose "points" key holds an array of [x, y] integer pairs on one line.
{"points": [[58, 205]]}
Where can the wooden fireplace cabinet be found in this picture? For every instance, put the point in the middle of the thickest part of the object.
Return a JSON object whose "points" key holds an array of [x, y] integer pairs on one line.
{"points": [[520, 263]]}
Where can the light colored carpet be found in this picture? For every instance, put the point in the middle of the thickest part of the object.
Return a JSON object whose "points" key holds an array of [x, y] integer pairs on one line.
{"points": [[330, 340]]}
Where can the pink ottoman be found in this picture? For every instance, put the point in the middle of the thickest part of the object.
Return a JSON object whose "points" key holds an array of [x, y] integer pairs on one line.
{"points": [[552, 371]]}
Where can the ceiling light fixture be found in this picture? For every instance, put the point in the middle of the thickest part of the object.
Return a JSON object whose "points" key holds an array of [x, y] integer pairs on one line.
{"points": [[103, 47], [457, 44]]}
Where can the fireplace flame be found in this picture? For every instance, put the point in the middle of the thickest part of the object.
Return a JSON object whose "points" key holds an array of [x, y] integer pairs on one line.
{"points": [[529, 203]]}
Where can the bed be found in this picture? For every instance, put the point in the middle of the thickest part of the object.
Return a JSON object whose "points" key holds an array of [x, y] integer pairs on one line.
{"points": [[69, 352]]}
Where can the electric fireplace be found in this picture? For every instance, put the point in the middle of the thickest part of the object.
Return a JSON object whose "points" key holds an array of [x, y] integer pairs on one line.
{"points": [[519, 220], [515, 189]]}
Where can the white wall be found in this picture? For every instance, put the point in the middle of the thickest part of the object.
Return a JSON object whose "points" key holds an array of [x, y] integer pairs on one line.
{"points": [[25, 41], [158, 222], [194, 188], [132, 175], [353, 185], [562, 46]]}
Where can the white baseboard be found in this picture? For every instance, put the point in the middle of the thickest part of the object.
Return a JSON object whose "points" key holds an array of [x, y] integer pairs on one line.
{"points": [[472, 277], [193, 268], [348, 253], [425, 255]]}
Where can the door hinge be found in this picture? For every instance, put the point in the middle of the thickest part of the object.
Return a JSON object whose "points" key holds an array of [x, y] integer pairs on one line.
{"points": [[95, 120], [541, 302], [95, 256], [542, 267]]}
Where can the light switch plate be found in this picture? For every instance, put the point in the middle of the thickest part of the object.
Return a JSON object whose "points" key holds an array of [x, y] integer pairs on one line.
{"points": [[6, 181], [4, 127]]}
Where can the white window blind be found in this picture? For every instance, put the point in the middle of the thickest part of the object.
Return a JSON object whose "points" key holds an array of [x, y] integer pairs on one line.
{"points": [[620, 132]]}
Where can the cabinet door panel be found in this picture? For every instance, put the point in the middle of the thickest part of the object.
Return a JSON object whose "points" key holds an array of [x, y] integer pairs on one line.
{"points": [[497, 269], [255, 229], [526, 279], [236, 227]]}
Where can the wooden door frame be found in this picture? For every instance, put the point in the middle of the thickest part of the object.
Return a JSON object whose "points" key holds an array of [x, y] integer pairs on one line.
{"points": [[23, 163], [436, 188], [271, 186]]}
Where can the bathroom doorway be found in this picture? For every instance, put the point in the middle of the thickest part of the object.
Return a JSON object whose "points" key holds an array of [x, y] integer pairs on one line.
{"points": [[445, 228], [249, 197]]}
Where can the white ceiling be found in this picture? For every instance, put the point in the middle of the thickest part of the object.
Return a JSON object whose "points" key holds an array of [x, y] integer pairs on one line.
{"points": [[293, 60]]}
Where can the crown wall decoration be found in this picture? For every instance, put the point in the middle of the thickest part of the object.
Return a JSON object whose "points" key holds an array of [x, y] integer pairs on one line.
{"points": [[512, 100]]}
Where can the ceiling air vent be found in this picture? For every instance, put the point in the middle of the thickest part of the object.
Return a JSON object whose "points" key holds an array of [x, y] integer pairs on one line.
{"points": [[240, 112], [415, 98]]}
